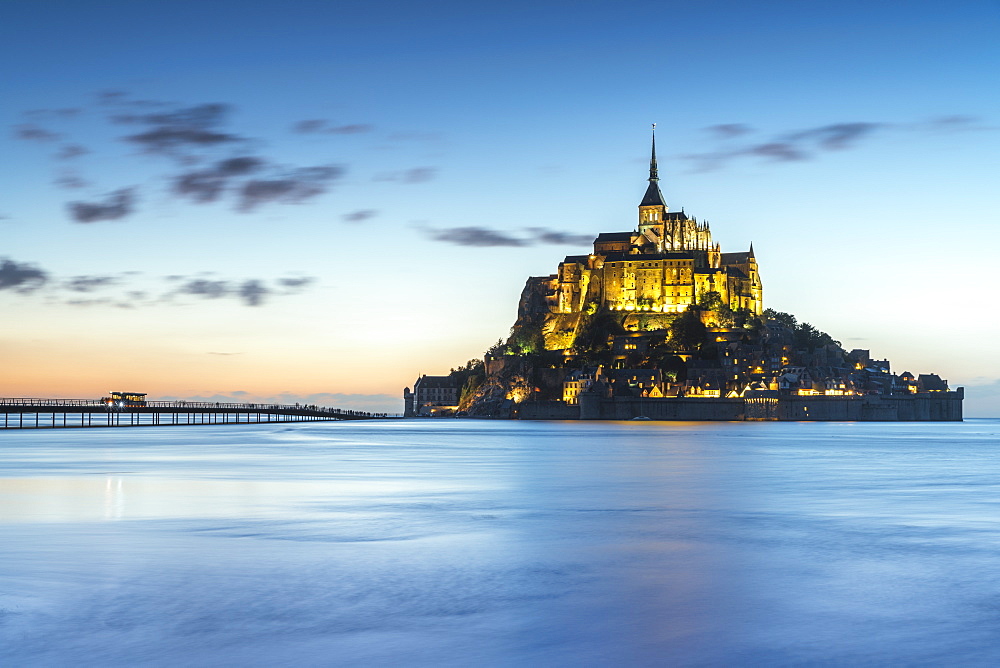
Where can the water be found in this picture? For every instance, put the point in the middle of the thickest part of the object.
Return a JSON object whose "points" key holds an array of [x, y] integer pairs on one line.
{"points": [[457, 543]]}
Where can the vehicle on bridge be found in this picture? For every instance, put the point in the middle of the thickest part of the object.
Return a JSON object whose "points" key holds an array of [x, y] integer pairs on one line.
{"points": [[125, 399]]}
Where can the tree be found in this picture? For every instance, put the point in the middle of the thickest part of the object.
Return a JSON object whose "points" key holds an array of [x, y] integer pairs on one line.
{"points": [[711, 301], [687, 331], [525, 339], [786, 319]]}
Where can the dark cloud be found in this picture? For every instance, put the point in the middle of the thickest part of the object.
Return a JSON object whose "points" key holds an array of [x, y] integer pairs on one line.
{"points": [[836, 136], [358, 216], [21, 276], [98, 301], [205, 288], [293, 187], [117, 204], [788, 147], [419, 174], [309, 126], [53, 114], [781, 151], [71, 180], [296, 283], [287, 187], [728, 130], [70, 151], [252, 292], [196, 140], [32, 132], [208, 184], [415, 175], [954, 122], [109, 97], [118, 290], [89, 283], [350, 129], [320, 126], [808, 143], [474, 236], [486, 237], [546, 236], [121, 98], [183, 128]]}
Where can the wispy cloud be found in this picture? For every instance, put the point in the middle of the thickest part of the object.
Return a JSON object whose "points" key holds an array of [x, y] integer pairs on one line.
{"points": [[294, 187], [484, 237], [172, 132], [728, 130], [207, 185], [321, 126], [89, 283], [132, 289], [33, 132], [203, 157], [251, 292], [70, 151], [547, 236], [415, 175], [809, 143], [474, 236], [21, 276], [116, 205], [358, 216], [53, 114], [296, 283], [71, 180]]}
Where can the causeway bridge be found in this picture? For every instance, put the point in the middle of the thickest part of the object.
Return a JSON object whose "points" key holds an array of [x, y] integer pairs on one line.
{"points": [[33, 413]]}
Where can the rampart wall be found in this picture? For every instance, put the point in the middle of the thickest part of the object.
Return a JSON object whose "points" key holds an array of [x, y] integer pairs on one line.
{"points": [[931, 406]]}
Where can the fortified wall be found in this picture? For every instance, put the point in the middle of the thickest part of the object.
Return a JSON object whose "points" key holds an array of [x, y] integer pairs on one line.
{"points": [[764, 406]]}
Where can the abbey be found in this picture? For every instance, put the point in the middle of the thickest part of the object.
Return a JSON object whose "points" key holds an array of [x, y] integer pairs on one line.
{"points": [[667, 264], [659, 323]]}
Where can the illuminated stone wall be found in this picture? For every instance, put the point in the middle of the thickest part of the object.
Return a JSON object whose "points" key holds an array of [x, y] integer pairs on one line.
{"points": [[657, 276]]}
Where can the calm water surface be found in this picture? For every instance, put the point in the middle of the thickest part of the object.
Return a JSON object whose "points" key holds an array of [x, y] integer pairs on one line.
{"points": [[457, 543]]}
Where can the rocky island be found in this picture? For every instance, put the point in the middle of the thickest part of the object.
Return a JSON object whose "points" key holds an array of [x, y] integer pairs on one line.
{"points": [[659, 323]]}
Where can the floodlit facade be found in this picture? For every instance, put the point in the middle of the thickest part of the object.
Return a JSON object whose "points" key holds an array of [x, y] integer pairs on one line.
{"points": [[668, 263]]}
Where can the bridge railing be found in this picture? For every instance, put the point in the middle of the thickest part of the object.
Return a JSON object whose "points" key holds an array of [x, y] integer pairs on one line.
{"points": [[32, 401], [42, 403]]}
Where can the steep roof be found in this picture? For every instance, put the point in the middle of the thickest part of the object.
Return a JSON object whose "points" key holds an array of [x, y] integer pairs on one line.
{"points": [[435, 381], [614, 236], [653, 196]]}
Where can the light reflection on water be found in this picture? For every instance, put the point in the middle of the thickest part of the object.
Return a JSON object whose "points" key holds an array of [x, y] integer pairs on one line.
{"points": [[502, 543]]}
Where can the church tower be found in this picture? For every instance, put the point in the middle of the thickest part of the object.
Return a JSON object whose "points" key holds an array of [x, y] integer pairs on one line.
{"points": [[652, 208]]}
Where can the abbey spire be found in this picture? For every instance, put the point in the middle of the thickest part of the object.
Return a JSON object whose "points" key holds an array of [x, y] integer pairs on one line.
{"points": [[653, 196]]}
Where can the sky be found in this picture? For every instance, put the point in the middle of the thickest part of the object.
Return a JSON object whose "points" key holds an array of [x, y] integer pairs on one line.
{"points": [[318, 201]]}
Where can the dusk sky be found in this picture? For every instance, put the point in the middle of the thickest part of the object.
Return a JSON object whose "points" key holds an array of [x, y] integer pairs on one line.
{"points": [[317, 201]]}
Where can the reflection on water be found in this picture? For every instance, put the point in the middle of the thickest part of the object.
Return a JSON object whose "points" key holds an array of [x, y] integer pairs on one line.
{"points": [[502, 543]]}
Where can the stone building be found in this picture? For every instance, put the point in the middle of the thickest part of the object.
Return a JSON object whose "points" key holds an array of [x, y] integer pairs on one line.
{"points": [[666, 264], [431, 395]]}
